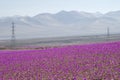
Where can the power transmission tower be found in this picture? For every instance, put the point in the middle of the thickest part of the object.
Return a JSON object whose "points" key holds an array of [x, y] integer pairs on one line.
{"points": [[13, 35], [108, 33]]}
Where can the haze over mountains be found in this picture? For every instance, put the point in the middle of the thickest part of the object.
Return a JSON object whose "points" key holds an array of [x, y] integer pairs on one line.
{"points": [[63, 23]]}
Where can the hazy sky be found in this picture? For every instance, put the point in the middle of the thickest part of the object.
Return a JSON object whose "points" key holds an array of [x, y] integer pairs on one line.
{"points": [[33, 7]]}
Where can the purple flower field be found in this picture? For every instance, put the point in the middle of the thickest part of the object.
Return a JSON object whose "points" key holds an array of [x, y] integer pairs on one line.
{"points": [[99, 61]]}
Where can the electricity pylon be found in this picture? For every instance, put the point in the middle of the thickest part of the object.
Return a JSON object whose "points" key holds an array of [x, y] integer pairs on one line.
{"points": [[108, 33], [13, 35]]}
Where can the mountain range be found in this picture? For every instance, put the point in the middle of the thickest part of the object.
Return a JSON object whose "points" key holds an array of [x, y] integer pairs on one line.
{"points": [[63, 23]]}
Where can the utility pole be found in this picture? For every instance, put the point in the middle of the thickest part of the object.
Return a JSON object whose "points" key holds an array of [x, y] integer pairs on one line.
{"points": [[13, 35]]}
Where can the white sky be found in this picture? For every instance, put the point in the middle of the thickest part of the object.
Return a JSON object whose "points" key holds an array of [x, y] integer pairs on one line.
{"points": [[33, 7]]}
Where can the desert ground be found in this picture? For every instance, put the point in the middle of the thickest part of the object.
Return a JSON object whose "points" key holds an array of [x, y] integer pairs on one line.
{"points": [[59, 41]]}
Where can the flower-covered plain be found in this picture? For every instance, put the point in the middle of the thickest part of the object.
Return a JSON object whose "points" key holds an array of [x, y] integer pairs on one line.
{"points": [[100, 61]]}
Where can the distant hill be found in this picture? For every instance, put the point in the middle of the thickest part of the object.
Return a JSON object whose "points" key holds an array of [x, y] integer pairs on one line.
{"points": [[63, 23]]}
